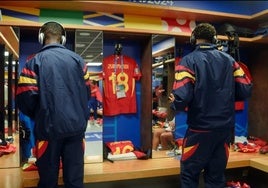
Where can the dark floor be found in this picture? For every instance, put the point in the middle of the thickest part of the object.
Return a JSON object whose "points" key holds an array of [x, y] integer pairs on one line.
{"points": [[253, 177], [159, 182]]}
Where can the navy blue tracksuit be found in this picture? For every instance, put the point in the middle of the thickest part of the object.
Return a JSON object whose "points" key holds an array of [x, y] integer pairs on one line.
{"points": [[52, 91], [208, 82]]}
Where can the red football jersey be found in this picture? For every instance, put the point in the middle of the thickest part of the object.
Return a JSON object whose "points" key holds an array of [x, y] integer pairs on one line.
{"points": [[119, 76]]}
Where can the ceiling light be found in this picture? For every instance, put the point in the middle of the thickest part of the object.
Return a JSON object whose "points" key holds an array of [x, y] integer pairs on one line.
{"points": [[6, 53], [94, 64], [84, 34], [80, 45], [89, 56]]}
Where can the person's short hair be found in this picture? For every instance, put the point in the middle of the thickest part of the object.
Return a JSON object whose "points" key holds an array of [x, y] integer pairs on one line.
{"points": [[52, 29], [204, 31]]}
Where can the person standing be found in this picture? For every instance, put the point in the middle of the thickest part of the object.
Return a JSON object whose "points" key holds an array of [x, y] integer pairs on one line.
{"points": [[96, 98], [207, 82], [52, 91]]}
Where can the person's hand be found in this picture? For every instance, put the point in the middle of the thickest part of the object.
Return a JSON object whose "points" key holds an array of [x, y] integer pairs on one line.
{"points": [[171, 97], [159, 92], [168, 129]]}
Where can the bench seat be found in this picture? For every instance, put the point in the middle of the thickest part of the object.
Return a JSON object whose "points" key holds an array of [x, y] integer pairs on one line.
{"points": [[156, 167]]}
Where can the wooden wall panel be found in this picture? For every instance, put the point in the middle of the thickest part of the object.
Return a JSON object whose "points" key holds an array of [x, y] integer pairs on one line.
{"points": [[258, 103], [146, 95]]}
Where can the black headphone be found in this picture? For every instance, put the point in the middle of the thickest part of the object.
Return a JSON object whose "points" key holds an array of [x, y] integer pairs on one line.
{"points": [[41, 35], [192, 39], [214, 39]]}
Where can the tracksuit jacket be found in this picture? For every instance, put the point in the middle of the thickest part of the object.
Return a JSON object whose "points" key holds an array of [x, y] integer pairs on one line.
{"points": [[205, 84], [52, 100]]}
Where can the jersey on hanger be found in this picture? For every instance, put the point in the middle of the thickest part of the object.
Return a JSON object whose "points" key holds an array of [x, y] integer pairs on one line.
{"points": [[119, 76]]}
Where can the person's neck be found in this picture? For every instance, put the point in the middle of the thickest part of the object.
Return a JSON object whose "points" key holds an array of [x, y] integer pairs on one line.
{"points": [[201, 41], [47, 42]]}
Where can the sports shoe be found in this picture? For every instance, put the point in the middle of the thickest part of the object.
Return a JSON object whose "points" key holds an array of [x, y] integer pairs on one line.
{"points": [[264, 149], [232, 184], [257, 141]]}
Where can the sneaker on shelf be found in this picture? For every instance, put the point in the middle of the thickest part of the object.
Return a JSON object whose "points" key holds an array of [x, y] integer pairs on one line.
{"points": [[99, 121], [233, 184], [10, 139], [257, 141], [264, 149], [245, 185], [159, 147], [3, 142]]}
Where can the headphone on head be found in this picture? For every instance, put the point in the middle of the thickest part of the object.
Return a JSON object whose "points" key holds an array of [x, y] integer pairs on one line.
{"points": [[192, 39], [214, 39], [41, 35]]}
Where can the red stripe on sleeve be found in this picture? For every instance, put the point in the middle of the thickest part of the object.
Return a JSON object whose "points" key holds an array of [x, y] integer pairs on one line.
{"points": [[22, 89], [243, 80], [177, 85], [28, 72]]}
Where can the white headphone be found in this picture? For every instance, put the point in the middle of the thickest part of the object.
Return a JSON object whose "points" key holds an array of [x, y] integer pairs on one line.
{"points": [[41, 35]]}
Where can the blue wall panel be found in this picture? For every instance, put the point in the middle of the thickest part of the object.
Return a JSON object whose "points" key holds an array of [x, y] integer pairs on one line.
{"points": [[125, 126]]}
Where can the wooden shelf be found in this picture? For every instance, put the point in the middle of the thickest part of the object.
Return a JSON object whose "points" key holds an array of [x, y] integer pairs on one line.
{"points": [[260, 39], [163, 51], [11, 160], [163, 62], [129, 8], [260, 163], [9, 38], [134, 169], [119, 7]]}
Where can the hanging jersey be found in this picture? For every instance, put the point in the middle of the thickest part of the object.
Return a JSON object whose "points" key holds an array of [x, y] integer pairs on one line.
{"points": [[119, 76]]}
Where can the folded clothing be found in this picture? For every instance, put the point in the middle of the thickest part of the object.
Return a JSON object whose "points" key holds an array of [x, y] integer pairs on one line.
{"points": [[123, 156], [120, 147], [8, 148]]}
